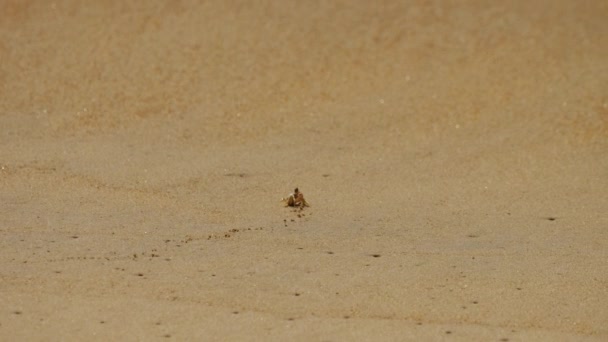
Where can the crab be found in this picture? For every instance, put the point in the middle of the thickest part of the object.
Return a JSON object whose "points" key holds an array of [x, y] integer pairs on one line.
{"points": [[295, 199]]}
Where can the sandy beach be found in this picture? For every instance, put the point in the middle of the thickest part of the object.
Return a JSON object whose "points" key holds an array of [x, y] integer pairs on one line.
{"points": [[454, 155]]}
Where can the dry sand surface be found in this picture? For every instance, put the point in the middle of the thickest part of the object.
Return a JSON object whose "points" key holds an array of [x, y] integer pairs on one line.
{"points": [[455, 155]]}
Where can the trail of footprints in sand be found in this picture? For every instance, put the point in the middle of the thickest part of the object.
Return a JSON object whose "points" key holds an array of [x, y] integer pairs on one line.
{"points": [[154, 253]]}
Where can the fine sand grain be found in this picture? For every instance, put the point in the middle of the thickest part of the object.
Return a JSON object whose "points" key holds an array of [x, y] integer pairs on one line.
{"points": [[454, 154]]}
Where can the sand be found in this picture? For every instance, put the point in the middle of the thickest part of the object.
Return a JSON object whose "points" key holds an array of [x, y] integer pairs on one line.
{"points": [[454, 153]]}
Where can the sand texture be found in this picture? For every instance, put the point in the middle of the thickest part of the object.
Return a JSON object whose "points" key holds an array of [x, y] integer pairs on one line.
{"points": [[454, 154]]}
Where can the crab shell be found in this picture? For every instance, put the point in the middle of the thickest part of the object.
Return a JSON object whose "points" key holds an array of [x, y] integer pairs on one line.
{"points": [[296, 200]]}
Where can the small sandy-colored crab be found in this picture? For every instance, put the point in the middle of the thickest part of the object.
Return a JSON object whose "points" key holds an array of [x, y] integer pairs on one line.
{"points": [[295, 199]]}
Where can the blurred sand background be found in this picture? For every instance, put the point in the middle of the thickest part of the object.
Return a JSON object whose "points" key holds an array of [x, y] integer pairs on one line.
{"points": [[455, 154]]}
